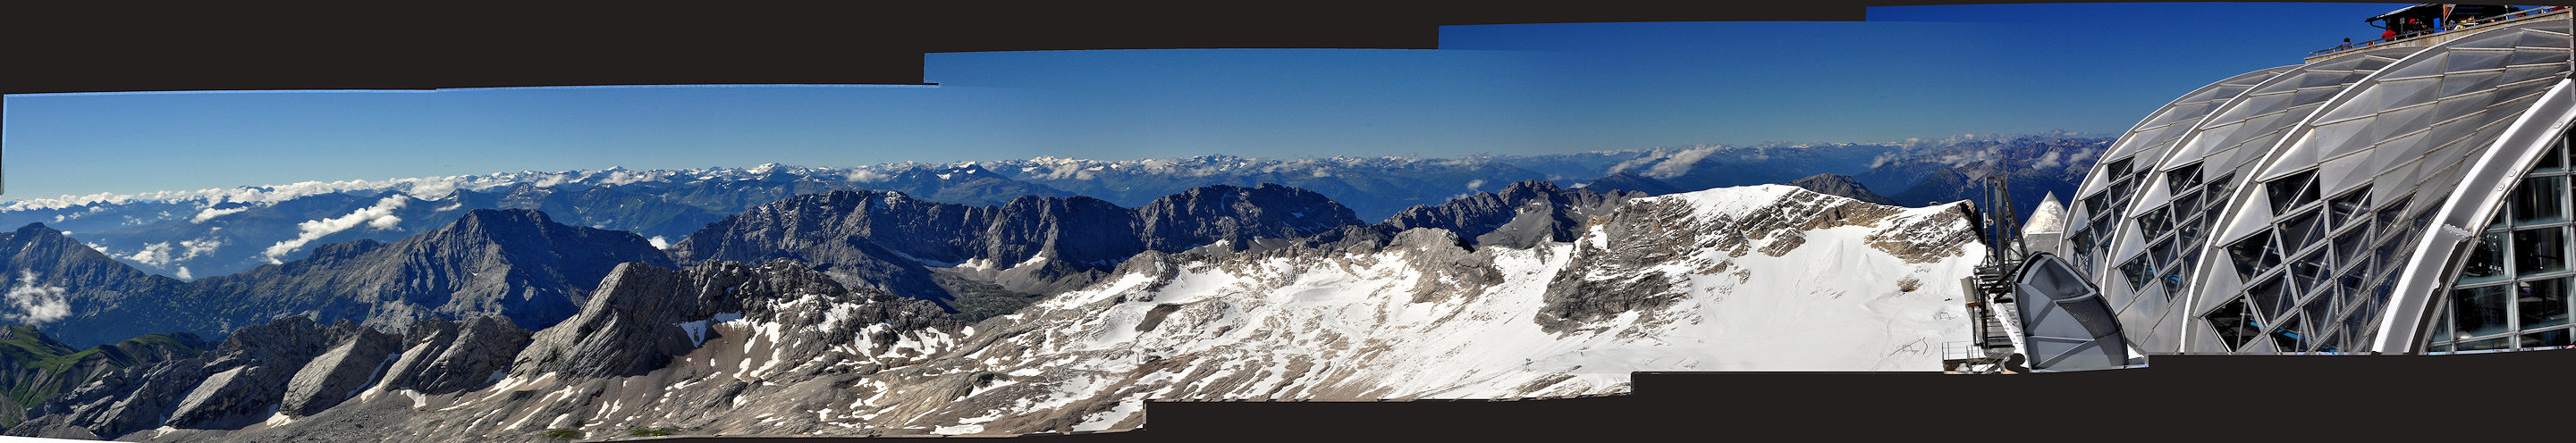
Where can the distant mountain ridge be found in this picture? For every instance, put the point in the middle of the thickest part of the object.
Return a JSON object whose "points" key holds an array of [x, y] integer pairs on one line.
{"points": [[191, 234], [514, 263], [776, 348]]}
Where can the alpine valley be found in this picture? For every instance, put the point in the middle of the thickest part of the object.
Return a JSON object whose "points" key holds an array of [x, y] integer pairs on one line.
{"points": [[984, 298]]}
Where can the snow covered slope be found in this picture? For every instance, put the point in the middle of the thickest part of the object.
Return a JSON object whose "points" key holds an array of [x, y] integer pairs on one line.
{"points": [[1750, 278]]}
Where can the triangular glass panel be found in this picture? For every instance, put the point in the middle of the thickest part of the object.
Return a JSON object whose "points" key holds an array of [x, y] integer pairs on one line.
{"points": [[2343, 173], [2534, 56], [2491, 40], [2409, 145], [2257, 127], [2288, 337], [2530, 39], [2312, 96], [2476, 59], [2233, 322], [2525, 89], [2428, 65], [2394, 122], [2455, 84], [2338, 137], [2261, 103], [2402, 93], [2443, 134], [2316, 79], [2180, 112], [2271, 296], [2462, 105], [2361, 103]]}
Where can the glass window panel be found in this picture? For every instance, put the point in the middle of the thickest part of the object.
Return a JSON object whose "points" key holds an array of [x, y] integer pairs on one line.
{"points": [[2175, 283], [2326, 344], [2442, 348], [2540, 250], [2095, 203], [2163, 252], [2388, 215], [2498, 222], [2218, 187], [2121, 168], [2249, 255], [2541, 303], [2189, 263], [2234, 325], [2302, 230], [2310, 270], [2349, 286], [2479, 311], [2291, 191], [2552, 161], [2183, 177], [2392, 253], [2154, 223], [2486, 345], [2442, 325], [2288, 336], [2120, 189], [2321, 310], [2360, 323], [2136, 270], [2348, 205], [2187, 204], [2350, 245], [2545, 339], [2270, 296], [2486, 262], [2540, 200]]}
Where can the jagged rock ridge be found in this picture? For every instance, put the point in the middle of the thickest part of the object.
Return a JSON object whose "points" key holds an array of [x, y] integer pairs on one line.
{"points": [[1424, 313]]}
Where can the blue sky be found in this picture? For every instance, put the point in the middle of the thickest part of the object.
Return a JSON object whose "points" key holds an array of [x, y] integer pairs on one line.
{"points": [[1926, 71]]}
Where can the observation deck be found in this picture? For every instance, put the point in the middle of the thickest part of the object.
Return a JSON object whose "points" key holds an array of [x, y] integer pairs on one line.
{"points": [[2426, 39]]}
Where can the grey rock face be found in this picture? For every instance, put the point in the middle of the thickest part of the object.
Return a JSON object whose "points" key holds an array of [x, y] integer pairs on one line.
{"points": [[247, 375], [1842, 186], [351, 364], [41, 257], [441, 357], [133, 399], [513, 263], [1612, 277], [883, 239], [1520, 215], [1630, 181], [1237, 215], [634, 323]]}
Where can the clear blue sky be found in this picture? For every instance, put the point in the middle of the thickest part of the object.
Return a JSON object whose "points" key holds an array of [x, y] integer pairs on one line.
{"points": [[1926, 71]]}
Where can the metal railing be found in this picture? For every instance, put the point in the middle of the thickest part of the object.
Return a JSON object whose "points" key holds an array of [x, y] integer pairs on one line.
{"points": [[2463, 25]]}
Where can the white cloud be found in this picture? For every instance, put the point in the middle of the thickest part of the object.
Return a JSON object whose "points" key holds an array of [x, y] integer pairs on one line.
{"points": [[183, 274], [35, 304], [380, 216], [2047, 161], [210, 213], [1668, 164], [153, 254], [659, 243], [200, 247], [1473, 184]]}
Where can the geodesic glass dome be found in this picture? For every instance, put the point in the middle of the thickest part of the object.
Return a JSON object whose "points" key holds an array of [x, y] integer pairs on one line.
{"points": [[2332, 207]]}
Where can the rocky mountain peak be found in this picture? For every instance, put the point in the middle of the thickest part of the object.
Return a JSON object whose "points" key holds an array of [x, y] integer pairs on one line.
{"points": [[1840, 185]]}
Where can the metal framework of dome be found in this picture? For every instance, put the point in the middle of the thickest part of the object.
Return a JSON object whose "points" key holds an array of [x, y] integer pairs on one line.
{"points": [[2394, 199]]}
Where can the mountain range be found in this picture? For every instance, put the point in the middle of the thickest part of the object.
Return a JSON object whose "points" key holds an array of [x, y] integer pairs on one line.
{"points": [[1532, 291], [192, 234], [987, 298]]}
